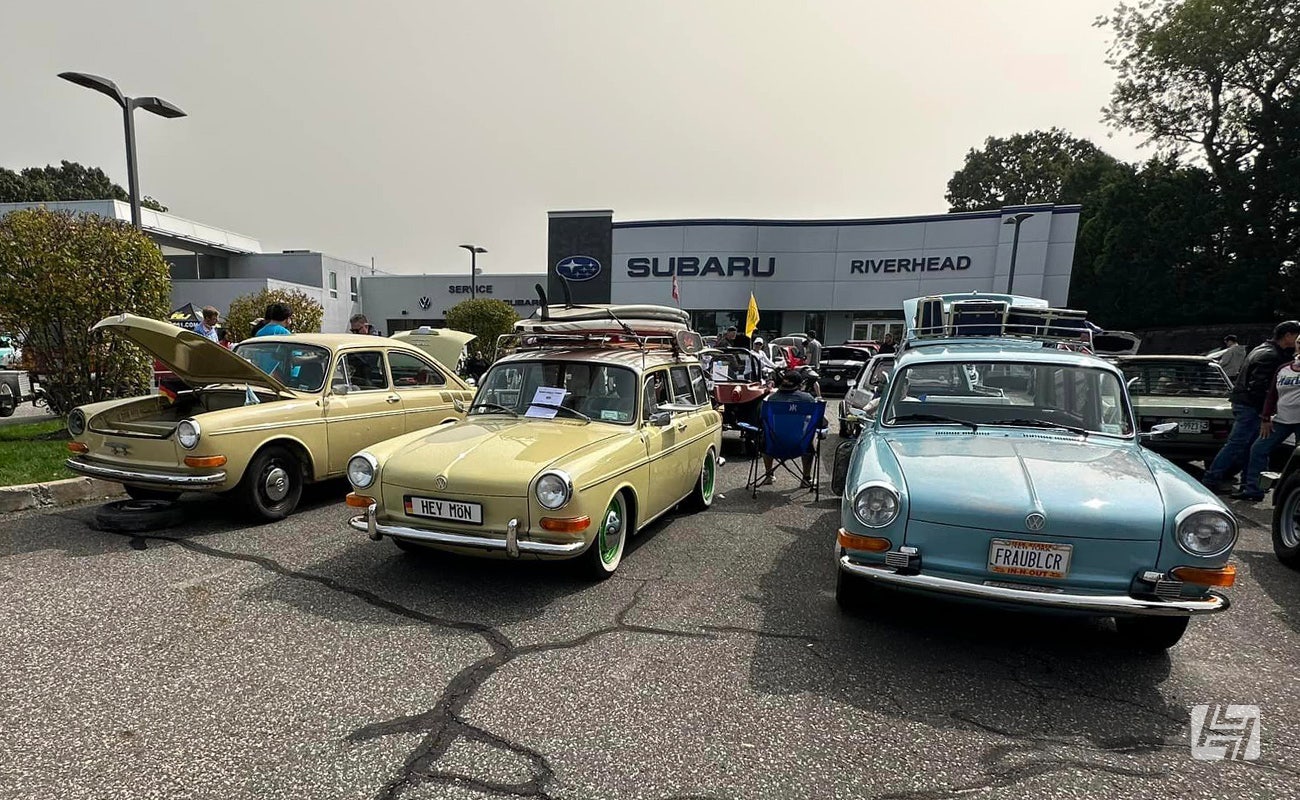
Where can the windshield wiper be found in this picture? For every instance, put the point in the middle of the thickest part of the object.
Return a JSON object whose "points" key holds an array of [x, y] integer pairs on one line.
{"points": [[506, 409], [934, 418], [1040, 423], [572, 411]]}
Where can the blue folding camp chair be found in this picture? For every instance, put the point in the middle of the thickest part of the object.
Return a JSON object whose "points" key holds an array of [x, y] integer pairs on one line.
{"points": [[790, 431]]}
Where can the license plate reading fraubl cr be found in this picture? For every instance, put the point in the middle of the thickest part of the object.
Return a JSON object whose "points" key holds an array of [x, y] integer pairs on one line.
{"points": [[1029, 559]]}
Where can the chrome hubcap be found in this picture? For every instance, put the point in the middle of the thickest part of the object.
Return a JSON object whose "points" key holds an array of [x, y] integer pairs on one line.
{"points": [[613, 525], [276, 484], [1287, 531]]}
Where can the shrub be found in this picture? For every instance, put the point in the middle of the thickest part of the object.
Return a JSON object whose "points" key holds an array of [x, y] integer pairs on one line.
{"points": [[486, 319], [244, 310], [60, 274]]}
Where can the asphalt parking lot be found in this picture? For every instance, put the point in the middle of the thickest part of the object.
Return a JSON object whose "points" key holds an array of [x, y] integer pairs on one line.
{"points": [[300, 659]]}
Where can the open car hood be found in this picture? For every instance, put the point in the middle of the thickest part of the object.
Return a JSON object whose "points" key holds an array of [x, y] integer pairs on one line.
{"points": [[194, 359], [444, 344]]}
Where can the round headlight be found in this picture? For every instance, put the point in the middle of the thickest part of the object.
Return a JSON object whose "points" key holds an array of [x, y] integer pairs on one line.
{"points": [[876, 505], [554, 490], [361, 470], [187, 433], [76, 422], [1205, 531]]}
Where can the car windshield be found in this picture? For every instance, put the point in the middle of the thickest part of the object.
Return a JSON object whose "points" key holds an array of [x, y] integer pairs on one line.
{"points": [[601, 392], [982, 393], [298, 366], [731, 367], [880, 370], [1176, 379], [845, 354]]}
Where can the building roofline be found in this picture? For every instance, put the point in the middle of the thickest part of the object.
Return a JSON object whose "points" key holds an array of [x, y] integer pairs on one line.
{"points": [[1073, 208]]}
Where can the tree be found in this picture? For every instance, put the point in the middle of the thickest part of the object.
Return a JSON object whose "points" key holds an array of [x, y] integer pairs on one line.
{"points": [[486, 319], [1150, 250], [244, 310], [59, 274], [68, 181], [1037, 167], [1219, 79]]}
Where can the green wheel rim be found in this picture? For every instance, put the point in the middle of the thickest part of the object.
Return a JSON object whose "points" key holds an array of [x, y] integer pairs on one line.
{"points": [[611, 531], [707, 478]]}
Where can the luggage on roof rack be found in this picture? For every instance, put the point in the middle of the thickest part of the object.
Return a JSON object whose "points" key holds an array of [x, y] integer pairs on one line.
{"points": [[972, 315]]}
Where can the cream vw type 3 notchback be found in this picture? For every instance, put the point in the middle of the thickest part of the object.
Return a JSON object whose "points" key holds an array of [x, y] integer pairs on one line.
{"points": [[597, 422], [265, 418]]}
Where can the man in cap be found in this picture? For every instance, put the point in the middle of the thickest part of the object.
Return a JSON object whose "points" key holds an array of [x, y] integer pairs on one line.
{"points": [[788, 390]]}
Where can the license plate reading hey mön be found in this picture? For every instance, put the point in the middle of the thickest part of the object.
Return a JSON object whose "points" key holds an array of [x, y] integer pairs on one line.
{"points": [[448, 510], [1029, 559]]}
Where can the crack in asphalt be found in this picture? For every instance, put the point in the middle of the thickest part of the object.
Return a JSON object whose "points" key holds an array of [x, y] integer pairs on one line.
{"points": [[443, 724]]}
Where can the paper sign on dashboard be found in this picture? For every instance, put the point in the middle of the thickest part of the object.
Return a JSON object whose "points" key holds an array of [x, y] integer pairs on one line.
{"points": [[546, 396]]}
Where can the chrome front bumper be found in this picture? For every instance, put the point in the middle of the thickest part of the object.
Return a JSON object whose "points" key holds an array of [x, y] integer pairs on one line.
{"points": [[171, 480], [511, 544], [1109, 605]]}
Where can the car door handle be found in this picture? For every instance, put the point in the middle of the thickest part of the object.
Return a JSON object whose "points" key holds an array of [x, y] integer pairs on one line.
{"points": [[392, 398], [681, 426]]}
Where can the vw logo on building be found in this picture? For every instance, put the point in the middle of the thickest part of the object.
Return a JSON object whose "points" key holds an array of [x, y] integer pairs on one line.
{"points": [[1035, 521], [578, 268], [425, 302]]}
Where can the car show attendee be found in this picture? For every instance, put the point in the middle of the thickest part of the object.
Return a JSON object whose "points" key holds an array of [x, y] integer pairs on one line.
{"points": [[359, 324], [1231, 357], [208, 327], [277, 319], [760, 351], [789, 390], [1248, 397], [887, 344], [1280, 419], [814, 350]]}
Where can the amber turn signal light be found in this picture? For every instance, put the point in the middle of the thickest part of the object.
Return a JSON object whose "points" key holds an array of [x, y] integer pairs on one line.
{"points": [[360, 500], [872, 544], [205, 461], [566, 524], [78, 447], [1223, 576]]}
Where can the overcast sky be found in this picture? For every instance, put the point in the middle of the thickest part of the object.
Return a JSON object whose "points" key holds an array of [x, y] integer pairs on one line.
{"points": [[399, 130]]}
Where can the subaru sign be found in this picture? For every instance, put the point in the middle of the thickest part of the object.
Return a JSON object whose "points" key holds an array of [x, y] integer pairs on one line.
{"points": [[577, 268]]}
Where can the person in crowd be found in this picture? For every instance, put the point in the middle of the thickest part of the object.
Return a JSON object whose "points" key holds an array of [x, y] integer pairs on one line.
{"points": [[1231, 357], [788, 391], [208, 327], [1248, 397], [359, 324], [887, 344], [728, 338], [277, 321], [1280, 419], [814, 349], [223, 338], [764, 360]]}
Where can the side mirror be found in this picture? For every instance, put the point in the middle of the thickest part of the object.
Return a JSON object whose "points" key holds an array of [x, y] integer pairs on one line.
{"points": [[661, 419], [851, 384], [460, 405], [1133, 381], [340, 389], [1161, 431]]}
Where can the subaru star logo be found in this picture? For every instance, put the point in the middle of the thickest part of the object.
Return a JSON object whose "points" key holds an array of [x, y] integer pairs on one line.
{"points": [[578, 268], [1035, 521]]}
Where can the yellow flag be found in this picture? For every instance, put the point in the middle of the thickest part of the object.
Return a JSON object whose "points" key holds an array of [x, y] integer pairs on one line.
{"points": [[751, 320]]}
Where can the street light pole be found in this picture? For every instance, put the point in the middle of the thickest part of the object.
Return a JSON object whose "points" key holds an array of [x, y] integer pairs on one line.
{"points": [[155, 105], [474, 250], [1015, 245]]}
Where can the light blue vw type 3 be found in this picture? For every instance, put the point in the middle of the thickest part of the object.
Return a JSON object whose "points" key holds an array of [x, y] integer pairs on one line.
{"points": [[1003, 466]]}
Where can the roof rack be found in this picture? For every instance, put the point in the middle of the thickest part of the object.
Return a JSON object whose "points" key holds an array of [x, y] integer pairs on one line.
{"points": [[939, 319], [687, 342]]}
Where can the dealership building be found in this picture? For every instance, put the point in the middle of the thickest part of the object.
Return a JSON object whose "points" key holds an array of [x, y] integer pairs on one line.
{"points": [[843, 278]]}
